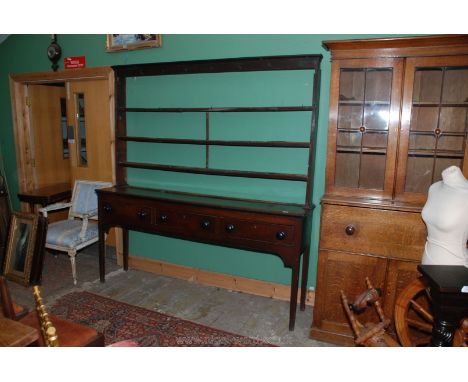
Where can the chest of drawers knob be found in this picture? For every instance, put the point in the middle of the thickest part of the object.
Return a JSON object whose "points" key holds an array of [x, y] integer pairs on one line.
{"points": [[205, 224], [142, 214], [281, 235], [107, 208], [350, 230], [229, 227], [163, 218]]}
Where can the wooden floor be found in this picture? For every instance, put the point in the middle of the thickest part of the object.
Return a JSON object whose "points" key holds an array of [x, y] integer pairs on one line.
{"points": [[245, 314]]}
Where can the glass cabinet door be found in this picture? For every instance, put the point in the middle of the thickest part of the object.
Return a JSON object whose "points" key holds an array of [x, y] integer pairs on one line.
{"points": [[365, 105], [434, 123]]}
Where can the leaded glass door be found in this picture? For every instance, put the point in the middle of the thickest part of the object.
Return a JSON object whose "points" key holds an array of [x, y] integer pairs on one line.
{"points": [[364, 109], [434, 123]]}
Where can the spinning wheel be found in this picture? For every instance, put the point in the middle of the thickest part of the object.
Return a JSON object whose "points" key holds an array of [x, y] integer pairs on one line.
{"points": [[368, 334], [414, 320]]}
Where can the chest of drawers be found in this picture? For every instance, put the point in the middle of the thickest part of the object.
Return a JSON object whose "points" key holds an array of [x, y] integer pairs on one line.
{"points": [[359, 241]]}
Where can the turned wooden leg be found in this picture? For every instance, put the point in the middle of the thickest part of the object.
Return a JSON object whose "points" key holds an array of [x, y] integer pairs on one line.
{"points": [[72, 255], [443, 332], [448, 309]]}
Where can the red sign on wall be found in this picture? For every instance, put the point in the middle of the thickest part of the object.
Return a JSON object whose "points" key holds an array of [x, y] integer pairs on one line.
{"points": [[74, 62]]}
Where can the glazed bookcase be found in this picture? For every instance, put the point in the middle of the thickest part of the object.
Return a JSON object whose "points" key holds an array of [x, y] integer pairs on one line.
{"points": [[398, 117]]}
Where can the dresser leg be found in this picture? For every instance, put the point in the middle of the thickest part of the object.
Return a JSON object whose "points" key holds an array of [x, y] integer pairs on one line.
{"points": [[293, 300], [102, 255], [125, 249], [305, 274]]}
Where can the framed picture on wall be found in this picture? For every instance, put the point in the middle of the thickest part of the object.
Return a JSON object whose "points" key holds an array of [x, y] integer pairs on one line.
{"points": [[117, 42]]}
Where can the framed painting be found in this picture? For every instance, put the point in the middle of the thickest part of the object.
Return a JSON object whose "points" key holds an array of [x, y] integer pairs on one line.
{"points": [[25, 248], [118, 42]]}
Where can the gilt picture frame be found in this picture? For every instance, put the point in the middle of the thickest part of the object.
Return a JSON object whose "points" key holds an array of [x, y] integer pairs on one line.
{"points": [[119, 42], [25, 248]]}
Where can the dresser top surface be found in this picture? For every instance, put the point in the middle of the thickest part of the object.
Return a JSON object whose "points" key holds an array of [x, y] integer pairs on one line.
{"points": [[275, 208]]}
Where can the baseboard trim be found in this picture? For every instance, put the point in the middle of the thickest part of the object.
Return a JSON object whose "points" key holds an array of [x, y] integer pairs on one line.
{"points": [[221, 280]]}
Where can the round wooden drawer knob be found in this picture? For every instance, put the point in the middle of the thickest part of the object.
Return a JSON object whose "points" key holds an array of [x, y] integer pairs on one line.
{"points": [[350, 230], [230, 227], [281, 235], [142, 215], [205, 224]]}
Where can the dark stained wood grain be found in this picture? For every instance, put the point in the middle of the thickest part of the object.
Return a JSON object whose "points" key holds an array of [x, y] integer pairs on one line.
{"points": [[243, 64], [278, 229]]}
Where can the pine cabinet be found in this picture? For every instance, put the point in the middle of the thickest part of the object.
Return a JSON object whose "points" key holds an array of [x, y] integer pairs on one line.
{"points": [[398, 117]]}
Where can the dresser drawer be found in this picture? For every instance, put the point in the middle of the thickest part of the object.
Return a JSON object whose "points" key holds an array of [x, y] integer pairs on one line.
{"points": [[248, 230], [259, 231], [138, 215], [389, 233], [170, 219]]}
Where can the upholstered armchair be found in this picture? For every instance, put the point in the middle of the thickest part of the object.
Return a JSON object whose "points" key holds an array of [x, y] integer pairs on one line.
{"points": [[80, 229]]}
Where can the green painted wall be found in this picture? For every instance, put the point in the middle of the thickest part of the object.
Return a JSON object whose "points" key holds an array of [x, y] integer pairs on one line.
{"points": [[27, 53]]}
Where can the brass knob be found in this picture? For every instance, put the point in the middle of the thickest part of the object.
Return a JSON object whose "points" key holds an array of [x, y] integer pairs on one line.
{"points": [[350, 230]]}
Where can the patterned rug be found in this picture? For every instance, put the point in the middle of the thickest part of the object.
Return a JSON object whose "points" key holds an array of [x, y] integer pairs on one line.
{"points": [[119, 321]]}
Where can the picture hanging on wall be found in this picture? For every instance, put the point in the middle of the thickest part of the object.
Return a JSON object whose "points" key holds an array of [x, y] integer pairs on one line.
{"points": [[118, 42]]}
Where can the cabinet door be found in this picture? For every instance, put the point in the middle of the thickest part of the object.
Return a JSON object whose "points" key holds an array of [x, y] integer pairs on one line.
{"points": [[347, 272], [400, 274], [363, 126], [434, 124]]}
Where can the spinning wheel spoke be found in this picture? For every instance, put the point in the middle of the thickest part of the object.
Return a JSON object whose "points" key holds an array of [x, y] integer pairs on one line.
{"points": [[422, 326], [423, 342], [419, 309], [412, 315]]}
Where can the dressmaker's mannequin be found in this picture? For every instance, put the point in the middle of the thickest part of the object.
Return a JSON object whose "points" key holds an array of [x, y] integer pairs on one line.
{"points": [[446, 216]]}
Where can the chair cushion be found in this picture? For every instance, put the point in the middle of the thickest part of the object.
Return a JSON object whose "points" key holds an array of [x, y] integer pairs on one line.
{"points": [[68, 332], [66, 233]]}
